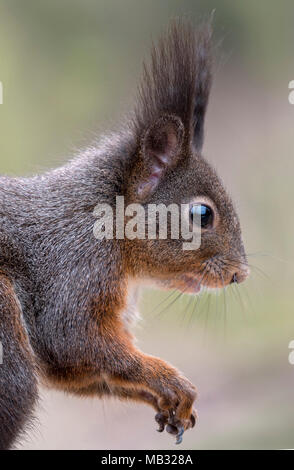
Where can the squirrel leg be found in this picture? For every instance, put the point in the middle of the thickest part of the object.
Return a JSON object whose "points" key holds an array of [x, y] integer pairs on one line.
{"points": [[122, 393], [18, 385], [101, 389], [128, 368]]}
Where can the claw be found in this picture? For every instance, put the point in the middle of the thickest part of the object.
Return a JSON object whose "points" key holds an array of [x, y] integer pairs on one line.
{"points": [[161, 427], [181, 431], [193, 421], [161, 420], [174, 427], [171, 429]]}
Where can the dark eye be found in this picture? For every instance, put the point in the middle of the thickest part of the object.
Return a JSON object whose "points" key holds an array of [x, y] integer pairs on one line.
{"points": [[202, 212]]}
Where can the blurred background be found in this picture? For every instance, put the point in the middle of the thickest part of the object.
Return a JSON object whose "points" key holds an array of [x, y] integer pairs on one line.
{"points": [[69, 70]]}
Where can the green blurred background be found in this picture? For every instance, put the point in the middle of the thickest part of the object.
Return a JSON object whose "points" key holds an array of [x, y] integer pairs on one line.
{"points": [[69, 70]]}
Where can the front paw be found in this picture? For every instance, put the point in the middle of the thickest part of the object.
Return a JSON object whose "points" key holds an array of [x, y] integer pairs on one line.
{"points": [[177, 414]]}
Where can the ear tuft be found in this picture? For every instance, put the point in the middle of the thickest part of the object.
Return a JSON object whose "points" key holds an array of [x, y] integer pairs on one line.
{"points": [[161, 150], [177, 80]]}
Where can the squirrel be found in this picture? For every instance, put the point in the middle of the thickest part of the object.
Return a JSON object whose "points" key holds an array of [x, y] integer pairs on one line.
{"points": [[65, 296]]}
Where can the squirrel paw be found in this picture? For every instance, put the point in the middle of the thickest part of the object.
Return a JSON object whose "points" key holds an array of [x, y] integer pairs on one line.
{"points": [[169, 422]]}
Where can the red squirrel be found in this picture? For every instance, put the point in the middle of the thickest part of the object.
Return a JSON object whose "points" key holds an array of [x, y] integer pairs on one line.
{"points": [[64, 294]]}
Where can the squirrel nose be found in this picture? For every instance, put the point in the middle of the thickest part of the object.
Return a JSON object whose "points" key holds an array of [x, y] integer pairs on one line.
{"points": [[240, 275]]}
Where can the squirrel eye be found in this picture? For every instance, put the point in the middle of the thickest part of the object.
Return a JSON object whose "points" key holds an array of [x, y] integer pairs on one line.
{"points": [[202, 212]]}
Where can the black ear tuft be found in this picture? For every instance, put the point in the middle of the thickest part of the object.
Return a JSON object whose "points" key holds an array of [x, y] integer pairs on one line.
{"points": [[160, 150], [177, 81], [203, 79]]}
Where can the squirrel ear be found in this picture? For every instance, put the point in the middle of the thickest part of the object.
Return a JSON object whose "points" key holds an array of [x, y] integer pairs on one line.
{"points": [[160, 150]]}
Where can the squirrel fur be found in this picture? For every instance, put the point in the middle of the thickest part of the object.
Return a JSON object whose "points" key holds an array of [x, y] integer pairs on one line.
{"points": [[64, 294]]}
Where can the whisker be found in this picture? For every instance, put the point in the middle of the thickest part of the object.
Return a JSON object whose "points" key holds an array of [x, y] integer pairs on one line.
{"points": [[206, 319], [171, 303], [170, 294], [261, 273], [270, 255], [218, 268], [235, 286], [225, 307], [178, 297], [198, 297], [248, 299]]}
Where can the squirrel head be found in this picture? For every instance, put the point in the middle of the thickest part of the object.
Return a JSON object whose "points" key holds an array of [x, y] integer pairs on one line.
{"points": [[168, 168]]}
